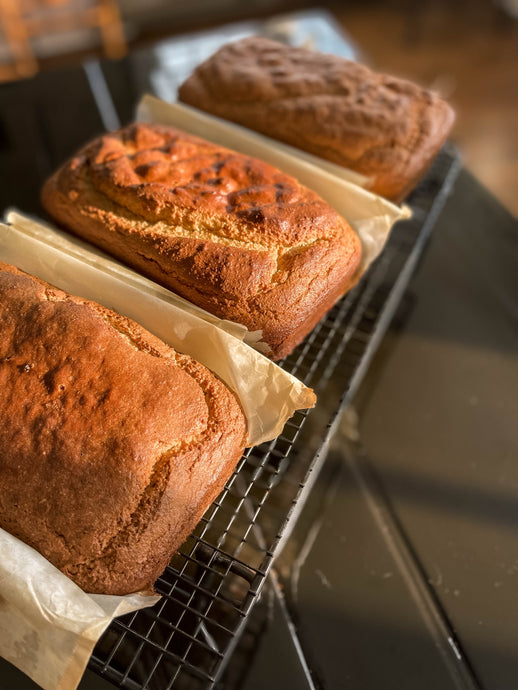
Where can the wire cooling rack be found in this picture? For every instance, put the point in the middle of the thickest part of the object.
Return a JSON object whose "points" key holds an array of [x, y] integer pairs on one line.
{"points": [[209, 588]]}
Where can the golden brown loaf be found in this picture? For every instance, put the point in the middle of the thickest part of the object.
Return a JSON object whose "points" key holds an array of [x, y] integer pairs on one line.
{"points": [[230, 233], [112, 445], [383, 127]]}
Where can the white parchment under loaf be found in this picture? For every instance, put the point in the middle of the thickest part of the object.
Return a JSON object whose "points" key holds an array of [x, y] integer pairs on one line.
{"points": [[369, 214], [269, 395], [48, 625]]}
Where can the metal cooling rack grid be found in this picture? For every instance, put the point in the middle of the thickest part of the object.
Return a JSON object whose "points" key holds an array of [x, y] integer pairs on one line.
{"points": [[210, 586]]}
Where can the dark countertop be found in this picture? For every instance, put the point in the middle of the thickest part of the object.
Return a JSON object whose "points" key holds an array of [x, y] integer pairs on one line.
{"points": [[438, 422], [401, 572]]}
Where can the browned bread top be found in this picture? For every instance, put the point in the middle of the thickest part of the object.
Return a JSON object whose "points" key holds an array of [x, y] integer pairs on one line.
{"points": [[161, 174], [228, 232], [112, 444], [386, 128]]}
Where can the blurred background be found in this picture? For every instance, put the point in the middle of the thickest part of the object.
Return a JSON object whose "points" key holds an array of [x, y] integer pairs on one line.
{"points": [[467, 50]]}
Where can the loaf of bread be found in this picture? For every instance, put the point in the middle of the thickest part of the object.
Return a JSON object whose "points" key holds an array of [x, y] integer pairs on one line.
{"points": [[230, 233], [385, 128], [112, 444]]}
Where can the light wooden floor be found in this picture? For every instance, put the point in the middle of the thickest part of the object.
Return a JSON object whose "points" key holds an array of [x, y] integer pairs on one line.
{"points": [[467, 51]]}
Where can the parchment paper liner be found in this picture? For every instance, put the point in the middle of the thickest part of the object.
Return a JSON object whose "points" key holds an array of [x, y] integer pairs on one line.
{"points": [[48, 625], [268, 395]]}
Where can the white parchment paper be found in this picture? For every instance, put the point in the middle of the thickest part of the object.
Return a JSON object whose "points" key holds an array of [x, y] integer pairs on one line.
{"points": [[48, 625], [269, 395]]}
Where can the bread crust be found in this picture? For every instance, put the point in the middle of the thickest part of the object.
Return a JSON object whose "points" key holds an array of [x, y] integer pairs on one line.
{"points": [[386, 128], [112, 444], [230, 233]]}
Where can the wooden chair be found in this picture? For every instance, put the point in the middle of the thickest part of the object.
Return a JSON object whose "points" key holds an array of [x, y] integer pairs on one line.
{"points": [[23, 20]]}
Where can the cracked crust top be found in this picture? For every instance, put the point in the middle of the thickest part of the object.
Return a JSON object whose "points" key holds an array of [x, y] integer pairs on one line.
{"points": [[228, 232], [112, 444], [380, 126]]}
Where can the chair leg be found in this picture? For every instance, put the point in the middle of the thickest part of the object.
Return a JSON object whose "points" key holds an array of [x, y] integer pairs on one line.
{"points": [[110, 24]]}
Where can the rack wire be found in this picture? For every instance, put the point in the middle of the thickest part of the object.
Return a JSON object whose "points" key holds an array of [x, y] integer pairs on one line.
{"points": [[211, 585]]}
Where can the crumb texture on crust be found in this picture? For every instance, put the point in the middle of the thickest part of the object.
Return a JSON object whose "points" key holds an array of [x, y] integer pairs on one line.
{"points": [[228, 232], [386, 128], [112, 444]]}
